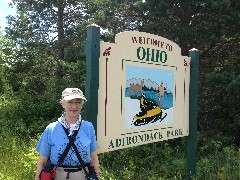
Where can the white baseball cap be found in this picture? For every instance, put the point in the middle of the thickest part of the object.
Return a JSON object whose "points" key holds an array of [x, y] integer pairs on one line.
{"points": [[73, 93]]}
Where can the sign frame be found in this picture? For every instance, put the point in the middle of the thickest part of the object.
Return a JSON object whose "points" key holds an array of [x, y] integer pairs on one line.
{"points": [[92, 51]]}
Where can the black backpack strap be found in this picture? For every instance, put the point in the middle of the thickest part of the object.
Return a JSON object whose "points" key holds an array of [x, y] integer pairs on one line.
{"points": [[72, 144], [71, 138], [79, 158]]}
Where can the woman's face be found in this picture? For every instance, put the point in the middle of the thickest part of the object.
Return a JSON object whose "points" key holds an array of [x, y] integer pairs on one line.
{"points": [[73, 107]]}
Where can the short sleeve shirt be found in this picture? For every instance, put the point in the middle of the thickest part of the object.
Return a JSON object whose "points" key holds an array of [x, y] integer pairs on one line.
{"points": [[54, 140]]}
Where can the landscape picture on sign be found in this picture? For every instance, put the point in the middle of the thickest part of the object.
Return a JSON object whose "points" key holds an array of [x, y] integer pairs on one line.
{"points": [[148, 96]]}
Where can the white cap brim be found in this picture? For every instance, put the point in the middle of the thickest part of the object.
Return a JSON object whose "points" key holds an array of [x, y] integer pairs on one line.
{"points": [[71, 97]]}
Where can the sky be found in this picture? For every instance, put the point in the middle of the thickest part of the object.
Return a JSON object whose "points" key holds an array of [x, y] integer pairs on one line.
{"points": [[5, 10], [156, 75]]}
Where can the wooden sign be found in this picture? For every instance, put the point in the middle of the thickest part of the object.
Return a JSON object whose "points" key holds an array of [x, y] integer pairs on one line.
{"points": [[143, 93]]}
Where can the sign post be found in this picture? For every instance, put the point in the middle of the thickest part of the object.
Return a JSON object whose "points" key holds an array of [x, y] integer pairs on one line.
{"points": [[92, 50], [193, 108]]}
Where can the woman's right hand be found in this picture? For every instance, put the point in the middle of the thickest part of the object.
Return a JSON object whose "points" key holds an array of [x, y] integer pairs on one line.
{"points": [[40, 165]]}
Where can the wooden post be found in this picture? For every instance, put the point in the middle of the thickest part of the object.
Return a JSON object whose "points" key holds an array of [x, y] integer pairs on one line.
{"points": [[193, 109], [92, 51]]}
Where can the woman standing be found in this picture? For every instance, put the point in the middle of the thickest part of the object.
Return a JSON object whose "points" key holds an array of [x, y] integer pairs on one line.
{"points": [[54, 140]]}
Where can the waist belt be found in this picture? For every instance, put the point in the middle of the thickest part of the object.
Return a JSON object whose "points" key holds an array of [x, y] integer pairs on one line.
{"points": [[72, 170], [65, 166], [74, 167]]}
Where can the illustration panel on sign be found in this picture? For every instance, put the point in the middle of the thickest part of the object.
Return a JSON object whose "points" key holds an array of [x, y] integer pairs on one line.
{"points": [[148, 96]]}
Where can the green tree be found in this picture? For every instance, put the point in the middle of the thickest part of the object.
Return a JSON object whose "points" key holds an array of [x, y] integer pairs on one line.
{"points": [[50, 36], [42, 64], [208, 25], [4, 66]]}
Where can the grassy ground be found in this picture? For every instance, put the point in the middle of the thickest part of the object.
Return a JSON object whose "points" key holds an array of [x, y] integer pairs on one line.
{"points": [[18, 160], [153, 161]]}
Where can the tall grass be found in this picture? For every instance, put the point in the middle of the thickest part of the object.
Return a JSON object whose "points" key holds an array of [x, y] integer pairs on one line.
{"points": [[158, 161], [222, 166], [18, 159], [220, 162]]}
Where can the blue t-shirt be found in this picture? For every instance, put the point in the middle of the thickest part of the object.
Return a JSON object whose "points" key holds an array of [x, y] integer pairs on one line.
{"points": [[54, 141]]}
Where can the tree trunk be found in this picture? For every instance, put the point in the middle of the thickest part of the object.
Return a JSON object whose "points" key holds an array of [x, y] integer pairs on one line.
{"points": [[60, 30]]}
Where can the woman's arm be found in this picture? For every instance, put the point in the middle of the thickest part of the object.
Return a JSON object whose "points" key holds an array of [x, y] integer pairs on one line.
{"points": [[40, 165], [95, 162]]}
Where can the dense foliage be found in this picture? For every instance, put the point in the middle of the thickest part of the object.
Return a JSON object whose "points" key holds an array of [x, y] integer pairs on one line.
{"points": [[157, 161], [42, 52]]}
